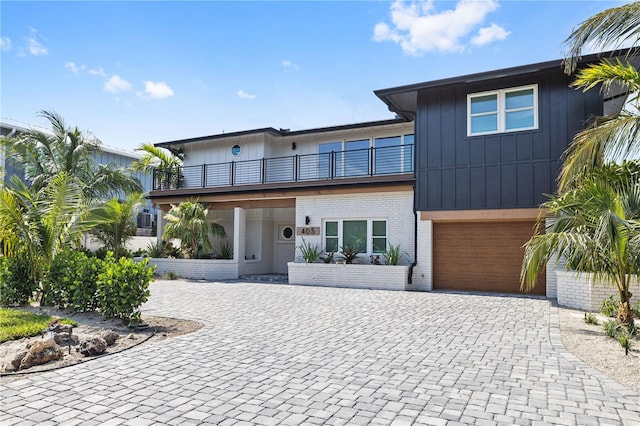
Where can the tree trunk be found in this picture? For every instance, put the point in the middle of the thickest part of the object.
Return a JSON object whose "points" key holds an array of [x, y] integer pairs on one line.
{"points": [[625, 313]]}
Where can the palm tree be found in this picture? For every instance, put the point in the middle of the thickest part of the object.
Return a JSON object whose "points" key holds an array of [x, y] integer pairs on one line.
{"points": [[39, 223], [616, 137], [114, 235], [596, 227], [162, 162], [188, 222], [68, 150]]}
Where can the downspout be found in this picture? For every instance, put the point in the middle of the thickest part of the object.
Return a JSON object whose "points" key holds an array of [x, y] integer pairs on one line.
{"points": [[415, 238]]}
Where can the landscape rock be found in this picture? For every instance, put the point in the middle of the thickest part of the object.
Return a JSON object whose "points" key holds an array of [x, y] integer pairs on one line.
{"points": [[63, 339], [15, 362], [110, 337], [93, 346], [41, 352]]}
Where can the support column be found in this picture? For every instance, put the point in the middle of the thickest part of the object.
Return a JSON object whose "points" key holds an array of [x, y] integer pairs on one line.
{"points": [[160, 222], [239, 231]]}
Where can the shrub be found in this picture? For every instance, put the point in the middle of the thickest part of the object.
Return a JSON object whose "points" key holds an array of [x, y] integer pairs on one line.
{"points": [[226, 250], [348, 253], [310, 253], [611, 328], [590, 319], [72, 281], [328, 258], [123, 286], [16, 282], [609, 307], [392, 255]]}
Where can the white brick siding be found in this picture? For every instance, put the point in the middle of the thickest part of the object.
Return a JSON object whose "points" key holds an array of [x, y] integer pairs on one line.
{"points": [[423, 271], [579, 291], [395, 207], [375, 277]]}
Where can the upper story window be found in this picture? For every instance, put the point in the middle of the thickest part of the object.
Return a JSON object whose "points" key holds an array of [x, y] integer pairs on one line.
{"points": [[501, 111]]}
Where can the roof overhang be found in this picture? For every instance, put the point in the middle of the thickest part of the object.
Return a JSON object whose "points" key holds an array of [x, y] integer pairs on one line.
{"points": [[403, 100]]}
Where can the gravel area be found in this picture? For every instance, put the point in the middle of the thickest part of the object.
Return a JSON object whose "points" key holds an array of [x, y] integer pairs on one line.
{"points": [[589, 343]]}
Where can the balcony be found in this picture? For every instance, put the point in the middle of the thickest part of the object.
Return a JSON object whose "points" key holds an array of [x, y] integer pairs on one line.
{"points": [[338, 167]]}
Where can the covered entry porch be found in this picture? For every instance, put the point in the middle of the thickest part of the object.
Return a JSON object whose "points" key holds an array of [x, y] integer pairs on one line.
{"points": [[260, 239]]}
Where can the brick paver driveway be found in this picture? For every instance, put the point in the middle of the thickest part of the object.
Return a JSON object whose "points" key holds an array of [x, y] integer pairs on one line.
{"points": [[272, 354]]}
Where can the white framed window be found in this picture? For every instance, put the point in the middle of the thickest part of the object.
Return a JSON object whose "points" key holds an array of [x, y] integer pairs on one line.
{"points": [[366, 236], [500, 111]]}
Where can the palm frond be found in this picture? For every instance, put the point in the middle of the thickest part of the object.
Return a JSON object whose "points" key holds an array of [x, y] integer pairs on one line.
{"points": [[609, 29]]}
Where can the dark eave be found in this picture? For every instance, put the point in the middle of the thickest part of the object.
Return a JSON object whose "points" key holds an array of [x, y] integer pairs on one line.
{"points": [[403, 99], [281, 132]]}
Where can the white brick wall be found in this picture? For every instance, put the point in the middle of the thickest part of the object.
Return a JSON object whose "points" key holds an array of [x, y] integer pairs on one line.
{"points": [[395, 207], [375, 277], [579, 291], [198, 269], [423, 271]]}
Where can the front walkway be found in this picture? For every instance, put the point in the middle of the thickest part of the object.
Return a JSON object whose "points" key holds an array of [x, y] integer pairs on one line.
{"points": [[278, 354]]}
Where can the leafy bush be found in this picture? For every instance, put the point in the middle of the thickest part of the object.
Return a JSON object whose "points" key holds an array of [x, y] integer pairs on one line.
{"points": [[123, 286], [16, 282], [225, 250], [611, 328], [348, 253], [328, 258], [609, 307], [155, 249], [392, 255], [310, 253], [590, 319], [72, 281]]}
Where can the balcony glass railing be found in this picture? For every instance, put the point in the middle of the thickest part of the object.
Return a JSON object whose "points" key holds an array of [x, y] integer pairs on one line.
{"points": [[309, 167]]}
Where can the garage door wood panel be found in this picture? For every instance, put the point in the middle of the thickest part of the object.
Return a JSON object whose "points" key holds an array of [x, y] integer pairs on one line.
{"points": [[481, 256]]}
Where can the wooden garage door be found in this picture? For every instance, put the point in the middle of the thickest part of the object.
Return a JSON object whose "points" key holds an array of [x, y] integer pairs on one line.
{"points": [[483, 256]]}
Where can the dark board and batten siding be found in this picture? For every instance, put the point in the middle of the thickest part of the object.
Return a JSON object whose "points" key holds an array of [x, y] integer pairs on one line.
{"points": [[507, 170]]}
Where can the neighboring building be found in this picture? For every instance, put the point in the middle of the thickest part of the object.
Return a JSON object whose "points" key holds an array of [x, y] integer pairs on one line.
{"points": [[106, 155], [488, 147]]}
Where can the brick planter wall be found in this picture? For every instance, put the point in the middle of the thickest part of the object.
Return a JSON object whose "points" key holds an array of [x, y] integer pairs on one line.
{"points": [[578, 290], [198, 269], [375, 277]]}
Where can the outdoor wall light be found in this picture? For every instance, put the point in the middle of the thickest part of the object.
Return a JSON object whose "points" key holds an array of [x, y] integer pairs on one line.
{"points": [[293, 146], [307, 220]]}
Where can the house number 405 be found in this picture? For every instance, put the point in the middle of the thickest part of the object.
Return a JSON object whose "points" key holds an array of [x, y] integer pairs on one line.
{"points": [[307, 230]]}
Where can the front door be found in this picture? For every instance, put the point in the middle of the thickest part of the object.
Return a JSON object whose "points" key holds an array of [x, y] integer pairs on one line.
{"points": [[285, 247]]}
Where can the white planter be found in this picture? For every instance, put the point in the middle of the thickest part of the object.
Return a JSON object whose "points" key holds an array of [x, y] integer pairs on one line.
{"points": [[197, 269], [578, 290], [375, 277]]}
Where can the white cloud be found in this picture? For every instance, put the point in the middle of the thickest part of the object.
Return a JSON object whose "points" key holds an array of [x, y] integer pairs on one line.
{"points": [[74, 68], [290, 65], [99, 72], [419, 28], [33, 44], [5, 44], [157, 90], [490, 34], [244, 95], [117, 84]]}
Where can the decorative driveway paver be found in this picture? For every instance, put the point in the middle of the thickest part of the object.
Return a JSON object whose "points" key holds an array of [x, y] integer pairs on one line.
{"points": [[274, 354]]}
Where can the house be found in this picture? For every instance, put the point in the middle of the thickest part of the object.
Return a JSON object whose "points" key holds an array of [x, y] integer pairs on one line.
{"points": [[105, 155], [488, 149], [271, 188], [456, 179]]}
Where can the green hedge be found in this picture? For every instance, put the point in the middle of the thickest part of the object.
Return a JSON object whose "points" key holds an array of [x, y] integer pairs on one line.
{"points": [[117, 288], [16, 284], [123, 286]]}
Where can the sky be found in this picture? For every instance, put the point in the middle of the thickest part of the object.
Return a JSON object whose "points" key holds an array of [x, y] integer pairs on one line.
{"points": [[131, 72]]}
